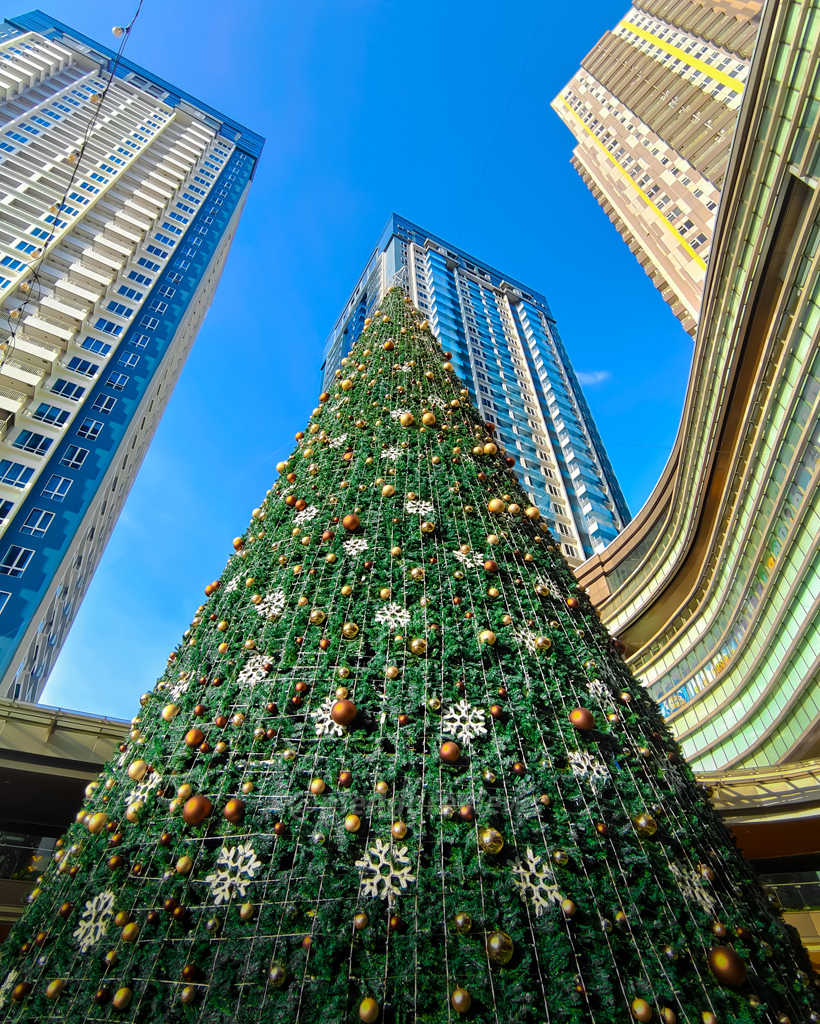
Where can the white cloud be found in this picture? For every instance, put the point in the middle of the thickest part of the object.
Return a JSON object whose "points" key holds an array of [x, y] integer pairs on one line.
{"points": [[595, 377]]}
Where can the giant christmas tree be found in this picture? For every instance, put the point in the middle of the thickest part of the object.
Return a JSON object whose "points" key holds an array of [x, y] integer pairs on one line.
{"points": [[396, 770]]}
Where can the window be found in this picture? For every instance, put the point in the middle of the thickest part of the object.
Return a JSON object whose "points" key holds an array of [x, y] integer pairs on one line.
{"points": [[5, 507], [7, 147], [167, 292], [158, 307], [182, 264], [128, 359], [17, 137], [74, 457], [117, 381], [68, 390], [96, 176], [25, 247], [15, 561], [51, 414], [140, 279], [37, 522], [185, 209], [164, 238], [15, 474], [55, 221], [139, 340], [174, 279], [130, 293], [89, 188], [155, 252], [150, 323], [56, 488], [119, 309], [28, 441], [143, 262], [89, 429], [83, 366], [12, 264], [79, 199], [104, 404], [108, 327], [96, 346]]}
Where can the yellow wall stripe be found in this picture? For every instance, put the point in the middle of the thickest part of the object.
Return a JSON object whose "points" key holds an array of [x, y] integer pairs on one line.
{"points": [[687, 58], [634, 185]]}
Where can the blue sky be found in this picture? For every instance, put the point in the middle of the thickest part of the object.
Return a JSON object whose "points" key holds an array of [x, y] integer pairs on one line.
{"points": [[433, 109]]}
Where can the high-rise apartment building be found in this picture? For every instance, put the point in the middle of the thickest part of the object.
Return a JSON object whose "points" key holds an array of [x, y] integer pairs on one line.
{"points": [[653, 109], [119, 199], [506, 348]]}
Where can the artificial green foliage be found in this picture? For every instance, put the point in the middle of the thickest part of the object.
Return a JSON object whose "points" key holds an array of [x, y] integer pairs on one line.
{"points": [[639, 921]]}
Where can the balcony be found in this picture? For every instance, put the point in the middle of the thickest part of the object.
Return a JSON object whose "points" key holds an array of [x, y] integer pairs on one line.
{"points": [[116, 248], [71, 292], [65, 306], [82, 273], [51, 325], [27, 343], [25, 373], [11, 400]]}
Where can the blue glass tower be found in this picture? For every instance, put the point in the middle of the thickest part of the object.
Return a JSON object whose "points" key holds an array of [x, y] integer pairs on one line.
{"points": [[506, 348], [122, 197]]}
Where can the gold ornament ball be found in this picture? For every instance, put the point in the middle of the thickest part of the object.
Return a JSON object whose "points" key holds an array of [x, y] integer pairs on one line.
{"points": [[560, 857], [542, 643], [388, 490], [418, 646], [247, 911], [490, 448], [490, 840], [360, 921], [131, 932], [351, 522], [708, 1017], [460, 1000], [641, 1010], [137, 770], [188, 994], [55, 988], [668, 1015], [398, 830], [500, 947], [184, 866], [169, 712], [353, 823], [569, 908], [463, 923], [347, 384], [417, 574], [317, 617], [97, 822], [532, 513], [368, 1010], [496, 506], [277, 975], [122, 998], [407, 419], [645, 824], [382, 789], [427, 527], [350, 631], [486, 636], [317, 786], [391, 672], [428, 419]]}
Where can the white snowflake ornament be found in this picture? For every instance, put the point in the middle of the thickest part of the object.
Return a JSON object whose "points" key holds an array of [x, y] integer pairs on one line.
{"points": [[420, 508], [589, 769], [391, 453], [337, 442], [355, 546], [692, 887], [323, 723], [256, 669], [306, 515], [525, 638], [393, 616], [533, 879], [385, 871], [397, 414], [464, 722], [236, 867], [146, 785], [272, 605], [470, 559], [94, 921], [600, 693]]}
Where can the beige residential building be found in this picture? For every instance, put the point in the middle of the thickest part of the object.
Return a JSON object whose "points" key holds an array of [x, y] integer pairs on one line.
{"points": [[653, 108]]}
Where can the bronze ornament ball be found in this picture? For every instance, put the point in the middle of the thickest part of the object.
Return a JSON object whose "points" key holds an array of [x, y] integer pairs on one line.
{"points": [[360, 921], [500, 947], [194, 737], [343, 712], [727, 966], [582, 719], [641, 1010], [351, 522], [461, 1000], [196, 810], [450, 752], [234, 811], [574, 603]]}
